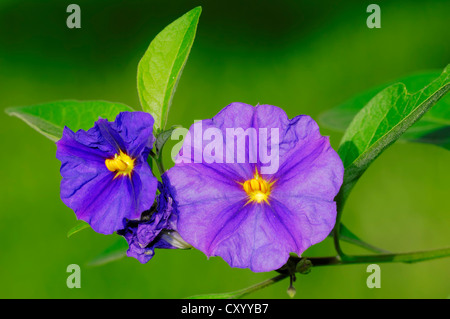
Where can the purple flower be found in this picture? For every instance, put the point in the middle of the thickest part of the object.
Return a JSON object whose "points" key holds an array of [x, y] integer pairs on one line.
{"points": [[250, 212], [105, 173], [156, 229]]}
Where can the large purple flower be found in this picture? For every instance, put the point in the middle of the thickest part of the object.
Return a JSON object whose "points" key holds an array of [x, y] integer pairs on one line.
{"points": [[106, 178], [255, 204]]}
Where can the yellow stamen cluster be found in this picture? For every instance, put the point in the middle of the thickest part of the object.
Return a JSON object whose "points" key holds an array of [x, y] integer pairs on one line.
{"points": [[122, 164], [257, 189]]}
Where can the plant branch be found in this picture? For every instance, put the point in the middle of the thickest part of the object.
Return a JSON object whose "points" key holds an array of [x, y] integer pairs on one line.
{"points": [[340, 200], [158, 161], [241, 293], [411, 257], [332, 261]]}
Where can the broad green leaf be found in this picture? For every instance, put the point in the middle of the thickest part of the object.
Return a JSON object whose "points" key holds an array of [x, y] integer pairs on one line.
{"points": [[114, 252], [382, 121], [433, 127], [162, 64], [77, 228], [49, 119]]}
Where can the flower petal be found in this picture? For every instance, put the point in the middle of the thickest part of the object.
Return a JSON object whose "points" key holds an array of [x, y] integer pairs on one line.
{"points": [[235, 115], [135, 129], [267, 234], [256, 236], [104, 201]]}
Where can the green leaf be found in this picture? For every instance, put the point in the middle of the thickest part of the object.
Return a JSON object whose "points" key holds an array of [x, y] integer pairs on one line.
{"points": [[433, 128], [49, 119], [77, 228], [162, 64], [242, 292], [346, 235], [116, 251], [381, 122], [162, 138]]}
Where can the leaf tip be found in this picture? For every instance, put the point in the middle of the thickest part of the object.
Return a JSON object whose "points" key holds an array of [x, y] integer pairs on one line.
{"points": [[198, 9], [10, 111]]}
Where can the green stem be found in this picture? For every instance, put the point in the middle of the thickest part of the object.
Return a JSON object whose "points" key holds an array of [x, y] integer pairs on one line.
{"points": [[379, 258], [402, 257], [361, 259], [159, 164], [340, 200], [263, 284], [333, 261], [240, 293], [158, 161]]}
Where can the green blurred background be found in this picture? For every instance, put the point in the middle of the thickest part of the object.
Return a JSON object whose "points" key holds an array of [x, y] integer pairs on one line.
{"points": [[305, 57]]}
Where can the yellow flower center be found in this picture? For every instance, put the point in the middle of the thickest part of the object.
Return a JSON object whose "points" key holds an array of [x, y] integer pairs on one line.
{"points": [[122, 164], [257, 189]]}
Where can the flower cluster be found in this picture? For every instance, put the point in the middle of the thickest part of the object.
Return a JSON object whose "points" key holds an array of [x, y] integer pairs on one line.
{"points": [[231, 207]]}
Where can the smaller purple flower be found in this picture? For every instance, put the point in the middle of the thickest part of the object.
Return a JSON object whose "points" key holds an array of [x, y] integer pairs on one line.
{"points": [[156, 229], [105, 174]]}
